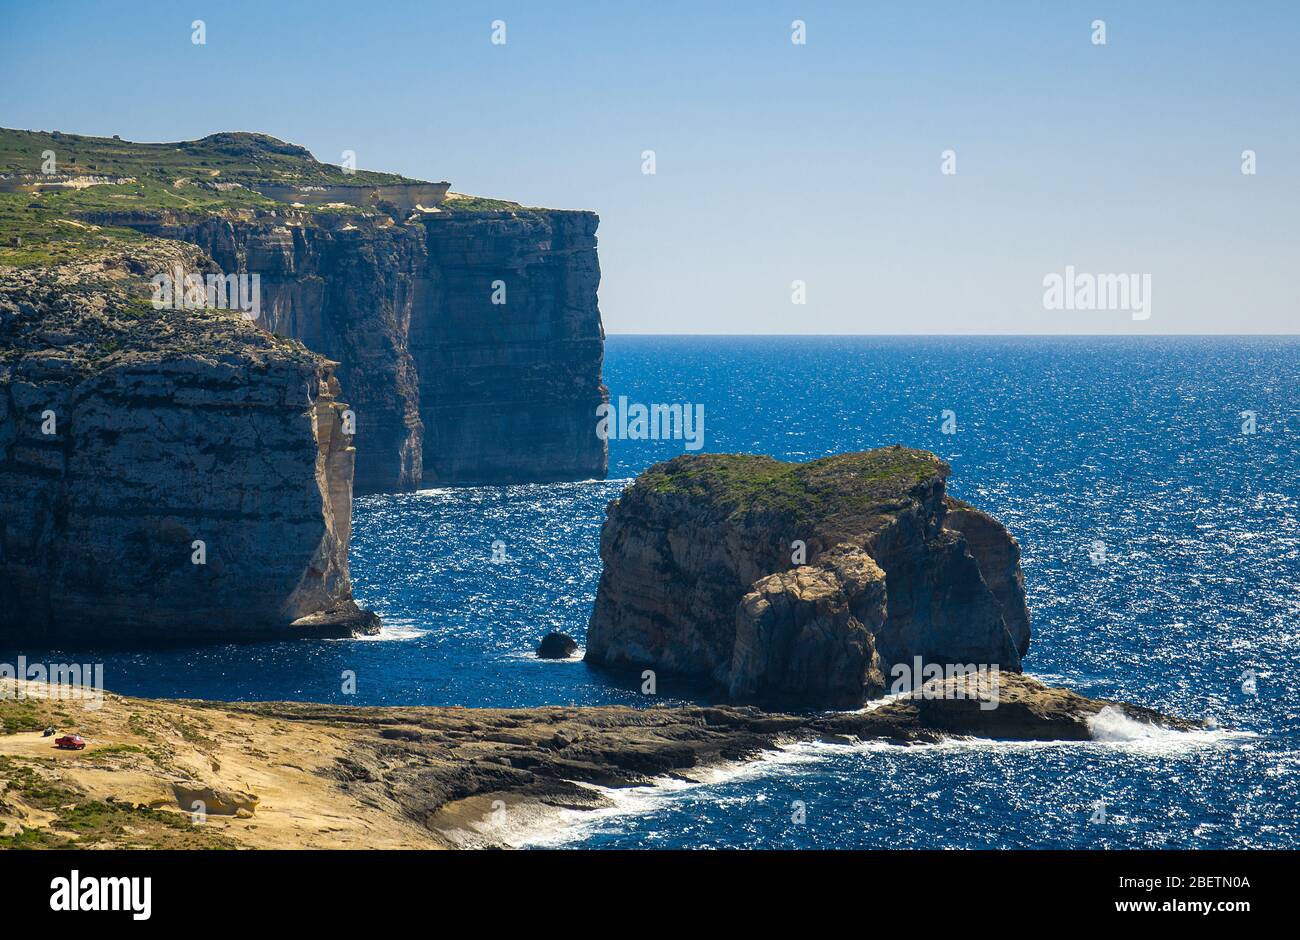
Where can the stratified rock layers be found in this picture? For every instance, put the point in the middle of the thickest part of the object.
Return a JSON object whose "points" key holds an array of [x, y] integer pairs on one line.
{"points": [[807, 582], [470, 343], [509, 391], [165, 475]]}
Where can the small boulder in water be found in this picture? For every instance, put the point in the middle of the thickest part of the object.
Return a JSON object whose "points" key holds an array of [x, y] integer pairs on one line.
{"points": [[556, 645]]}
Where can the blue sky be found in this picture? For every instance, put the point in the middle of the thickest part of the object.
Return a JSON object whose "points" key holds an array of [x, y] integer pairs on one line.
{"points": [[775, 162]]}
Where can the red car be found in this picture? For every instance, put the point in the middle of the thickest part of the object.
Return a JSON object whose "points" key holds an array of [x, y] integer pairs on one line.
{"points": [[70, 742]]}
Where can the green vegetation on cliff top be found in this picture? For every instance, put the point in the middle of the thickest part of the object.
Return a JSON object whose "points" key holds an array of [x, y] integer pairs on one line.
{"points": [[835, 487], [462, 203], [217, 174], [67, 318], [226, 158]]}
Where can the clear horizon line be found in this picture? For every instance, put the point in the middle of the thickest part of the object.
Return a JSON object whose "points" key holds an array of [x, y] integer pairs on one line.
{"points": [[609, 333]]}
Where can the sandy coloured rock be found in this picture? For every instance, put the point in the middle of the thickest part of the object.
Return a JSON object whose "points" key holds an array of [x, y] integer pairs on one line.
{"points": [[337, 776]]}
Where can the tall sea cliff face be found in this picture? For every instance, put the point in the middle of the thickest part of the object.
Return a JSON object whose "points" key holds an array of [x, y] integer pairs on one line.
{"points": [[165, 475], [470, 343], [187, 473], [509, 391], [807, 582]]}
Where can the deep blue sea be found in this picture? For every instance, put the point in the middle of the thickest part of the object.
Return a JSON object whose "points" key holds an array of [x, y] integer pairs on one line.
{"points": [[1161, 550]]}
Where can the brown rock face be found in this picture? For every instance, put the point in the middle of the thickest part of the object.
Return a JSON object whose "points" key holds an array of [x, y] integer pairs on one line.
{"points": [[165, 475], [470, 343], [804, 581], [808, 634], [998, 557]]}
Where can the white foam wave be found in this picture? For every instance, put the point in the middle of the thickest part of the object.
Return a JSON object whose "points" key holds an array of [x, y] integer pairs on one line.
{"points": [[1112, 726], [875, 703], [531, 656], [1111, 729], [390, 630], [573, 825]]}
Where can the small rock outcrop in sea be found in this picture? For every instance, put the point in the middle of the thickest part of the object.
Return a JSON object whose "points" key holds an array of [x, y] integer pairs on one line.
{"points": [[556, 645], [814, 583], [165, 475]]}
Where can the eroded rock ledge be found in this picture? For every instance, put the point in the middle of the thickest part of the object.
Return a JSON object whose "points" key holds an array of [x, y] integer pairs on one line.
{"points": [[435, 766], [806, 583], [331, 776], [129, 435]]}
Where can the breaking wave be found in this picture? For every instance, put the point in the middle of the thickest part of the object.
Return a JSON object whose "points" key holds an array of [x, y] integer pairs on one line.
{"points": [[1112, 726]]}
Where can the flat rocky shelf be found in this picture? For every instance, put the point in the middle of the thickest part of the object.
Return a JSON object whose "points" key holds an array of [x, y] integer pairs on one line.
{"points": [[284, 774]]}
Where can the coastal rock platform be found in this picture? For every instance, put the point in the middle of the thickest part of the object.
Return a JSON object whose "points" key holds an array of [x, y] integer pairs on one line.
{"points": [[332, 776]]}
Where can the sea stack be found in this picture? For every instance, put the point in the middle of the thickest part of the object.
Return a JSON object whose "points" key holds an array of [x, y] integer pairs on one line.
{"points": [[817, 584]]}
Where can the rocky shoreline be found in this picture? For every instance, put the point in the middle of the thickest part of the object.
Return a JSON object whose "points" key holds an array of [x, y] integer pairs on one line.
{"points": [[286, 774]]}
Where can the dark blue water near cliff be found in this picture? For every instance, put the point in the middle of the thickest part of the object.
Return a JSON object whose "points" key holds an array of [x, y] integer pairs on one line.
{"points": [[1161, 553]]}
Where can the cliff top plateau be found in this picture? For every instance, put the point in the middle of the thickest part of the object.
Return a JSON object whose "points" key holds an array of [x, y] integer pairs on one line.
{"points": [[50, 180], [831, 497], [74, 318]]}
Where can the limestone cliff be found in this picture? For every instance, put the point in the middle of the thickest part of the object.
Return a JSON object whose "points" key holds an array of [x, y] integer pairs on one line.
{"points": [[447, 386], [165, 475], [508, 392], [187, 474], [466, 330], [804, 581]]}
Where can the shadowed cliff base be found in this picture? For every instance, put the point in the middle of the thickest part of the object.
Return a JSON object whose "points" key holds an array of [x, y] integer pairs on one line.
{"points": [[297, 775]]}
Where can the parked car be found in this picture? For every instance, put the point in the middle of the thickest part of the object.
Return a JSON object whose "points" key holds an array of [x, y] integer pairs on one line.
{"points": [[70, 742]]}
